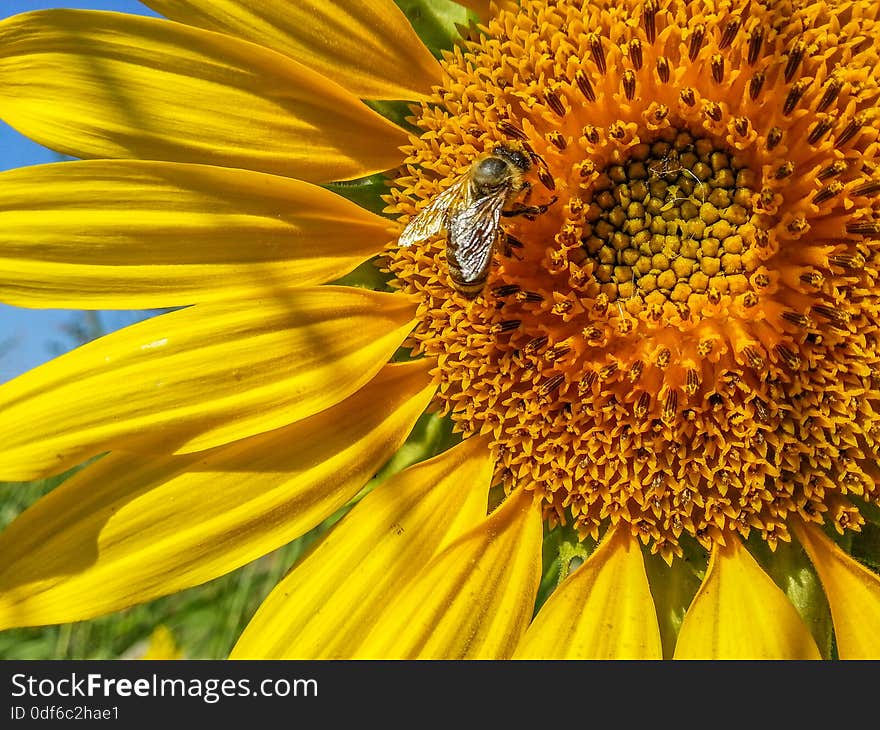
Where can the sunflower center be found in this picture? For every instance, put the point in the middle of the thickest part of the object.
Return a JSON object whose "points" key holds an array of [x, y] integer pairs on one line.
{"points": [[678, 325], [664, 225]]}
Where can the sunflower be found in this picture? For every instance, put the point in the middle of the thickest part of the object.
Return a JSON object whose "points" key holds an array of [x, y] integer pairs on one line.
{"points": [[665, 394]]}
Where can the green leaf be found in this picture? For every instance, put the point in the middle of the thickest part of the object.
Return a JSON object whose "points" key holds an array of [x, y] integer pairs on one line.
{"points": [[435, 21]]}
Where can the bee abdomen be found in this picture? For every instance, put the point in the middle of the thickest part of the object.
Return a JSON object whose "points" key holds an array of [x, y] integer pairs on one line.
{"points": [[469, 287]]}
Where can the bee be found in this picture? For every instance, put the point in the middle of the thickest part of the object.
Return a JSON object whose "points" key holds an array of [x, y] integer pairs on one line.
{"points": [[470, 211]]}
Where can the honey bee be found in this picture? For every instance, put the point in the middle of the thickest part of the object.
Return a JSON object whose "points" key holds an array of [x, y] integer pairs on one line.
{"points": [[470, 211]]}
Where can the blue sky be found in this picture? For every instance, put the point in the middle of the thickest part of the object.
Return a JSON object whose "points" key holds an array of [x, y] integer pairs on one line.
{"points": [[28, 337]]}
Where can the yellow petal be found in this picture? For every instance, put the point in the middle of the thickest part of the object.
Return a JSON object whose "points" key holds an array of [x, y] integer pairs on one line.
{"points": [[95, 84], [740, 613], [136, 235], [199, 377], [367, 45], [603, 610], [853, 594], [327, 605], [474, 600], [161, 645], [128, 529]]}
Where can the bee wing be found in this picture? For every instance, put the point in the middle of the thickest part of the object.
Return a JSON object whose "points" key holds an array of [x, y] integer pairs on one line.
{"points": [[472, 234], [435, 216]]}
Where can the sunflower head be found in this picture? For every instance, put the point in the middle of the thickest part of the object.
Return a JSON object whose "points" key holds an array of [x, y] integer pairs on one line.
{"points": [[686, 341]]}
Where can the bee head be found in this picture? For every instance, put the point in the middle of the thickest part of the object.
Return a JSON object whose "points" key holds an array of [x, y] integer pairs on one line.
{"points": [[491, 171]]}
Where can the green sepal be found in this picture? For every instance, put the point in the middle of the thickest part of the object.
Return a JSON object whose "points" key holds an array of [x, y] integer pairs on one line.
{"points": [[367, 192], [673, 587], [562, 553]]}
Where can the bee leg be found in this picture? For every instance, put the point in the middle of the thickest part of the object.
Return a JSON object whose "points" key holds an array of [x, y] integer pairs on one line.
{"points": [[529, 211]]}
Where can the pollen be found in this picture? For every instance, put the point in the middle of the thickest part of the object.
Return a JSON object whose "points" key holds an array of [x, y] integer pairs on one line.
{"points": [[686, 340]]}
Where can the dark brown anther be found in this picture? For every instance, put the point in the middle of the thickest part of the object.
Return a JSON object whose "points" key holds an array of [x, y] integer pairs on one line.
{"points": [[536, 344], [583, 83], [741, 126], [591, 134], [794, 60], [509, 129], [869, 229], [797, 319], [687, 96], [832, 88], [529, 296], [756, 83], [508, 325], [617, 130], [761, 411], [833, 170], [836, 317], [635, 53], [551, 385], [730, 31], [641, 407], [608, 371], [558, 352], [649, 14], [820, 129], [664, 357], [670, 407], [753, 358], [850, 130], [629, 84], [791, 360], [586, 382], [853, 262], [785, 170], [828, 192], [712, 110], [812, 278], [774, 137], [692, 384], [597, 51], [562, 307], [869, 188], [554, 102], [717, 66], [593, 333], [512, 242], [661, 111], [797, 225], [546, 180], [794, 96], [663, 69], [635, 371], [756, 40], [697, 36], [557, 140]]}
